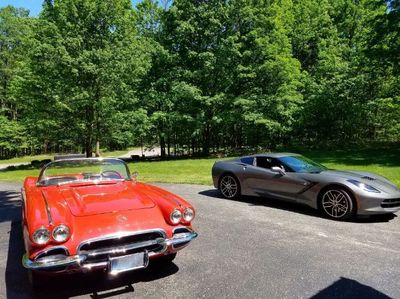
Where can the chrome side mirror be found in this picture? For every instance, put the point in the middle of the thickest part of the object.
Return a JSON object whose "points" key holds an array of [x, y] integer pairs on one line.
{"points": [[134, 175], [278, 170]]}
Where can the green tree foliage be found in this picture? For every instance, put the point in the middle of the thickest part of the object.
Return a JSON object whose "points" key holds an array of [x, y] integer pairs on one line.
{"points": [[85, 65], [15, 29], [195, 76]]}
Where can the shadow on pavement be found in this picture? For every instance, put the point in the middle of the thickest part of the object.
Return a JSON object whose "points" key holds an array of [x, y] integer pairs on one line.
{"points": [[97, 284], [101, 285], [295, 207], [346, 288], [10, 205]]}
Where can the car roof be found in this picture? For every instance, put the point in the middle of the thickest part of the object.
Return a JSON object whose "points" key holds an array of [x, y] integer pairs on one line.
{"points": [[273, 155]]}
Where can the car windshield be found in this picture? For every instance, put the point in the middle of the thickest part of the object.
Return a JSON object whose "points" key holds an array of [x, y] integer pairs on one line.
{"points": [[83, 170], [302, 164]]}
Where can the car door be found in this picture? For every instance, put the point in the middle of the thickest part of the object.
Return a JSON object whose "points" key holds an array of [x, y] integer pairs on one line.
{"points": [[263, 181]]}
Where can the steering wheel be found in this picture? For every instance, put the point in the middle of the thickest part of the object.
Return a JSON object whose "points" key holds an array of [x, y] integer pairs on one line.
{"points": [[111, 174]]}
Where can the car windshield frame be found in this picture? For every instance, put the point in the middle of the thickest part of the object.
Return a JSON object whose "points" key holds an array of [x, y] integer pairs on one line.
{"points": [[313, 167], [87, 177]]}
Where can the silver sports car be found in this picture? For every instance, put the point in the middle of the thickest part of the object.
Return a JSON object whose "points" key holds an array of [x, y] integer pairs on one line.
{"points": [[337, 194]]}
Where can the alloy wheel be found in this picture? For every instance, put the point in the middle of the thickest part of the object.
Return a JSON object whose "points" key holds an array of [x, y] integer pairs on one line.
{"points": [[336, 203], [229, 186]]}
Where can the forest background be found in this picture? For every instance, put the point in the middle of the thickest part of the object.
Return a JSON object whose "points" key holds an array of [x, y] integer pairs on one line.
{"points": [[199, 77]]}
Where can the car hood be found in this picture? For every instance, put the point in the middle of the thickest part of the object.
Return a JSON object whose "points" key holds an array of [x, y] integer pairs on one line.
{"points": [[374, 180], [86, 200]]}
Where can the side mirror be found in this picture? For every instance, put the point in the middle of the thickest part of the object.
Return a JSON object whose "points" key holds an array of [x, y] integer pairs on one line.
{"points": [[134, 175], [278, 170]]}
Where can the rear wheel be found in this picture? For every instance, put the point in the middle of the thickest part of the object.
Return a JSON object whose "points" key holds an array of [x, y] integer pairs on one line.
{"points": [[229, 186], [337, 203]]}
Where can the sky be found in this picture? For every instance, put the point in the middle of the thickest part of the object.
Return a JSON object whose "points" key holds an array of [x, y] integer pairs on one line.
{"points": [[34, 6]]}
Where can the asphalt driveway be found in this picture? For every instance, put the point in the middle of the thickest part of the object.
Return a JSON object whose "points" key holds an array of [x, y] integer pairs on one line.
{"points": [[253, 248]]}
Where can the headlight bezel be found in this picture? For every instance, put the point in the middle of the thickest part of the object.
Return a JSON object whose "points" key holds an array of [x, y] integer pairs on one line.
{"points": [[41, 230], [189, 211], [61, 227], [175, 212], [364, 187]]}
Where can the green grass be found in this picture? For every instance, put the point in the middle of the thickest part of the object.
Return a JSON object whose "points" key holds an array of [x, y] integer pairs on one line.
{"points": [[192, 171], [198, 171]]}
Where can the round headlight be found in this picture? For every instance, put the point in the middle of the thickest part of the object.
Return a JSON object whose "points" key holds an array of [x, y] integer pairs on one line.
{"points": [[176, 216], [41, 236], [61, 233], [188, 215]]}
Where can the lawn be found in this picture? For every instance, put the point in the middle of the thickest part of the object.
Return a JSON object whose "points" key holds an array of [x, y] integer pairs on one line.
{"points": [[198, 171]]}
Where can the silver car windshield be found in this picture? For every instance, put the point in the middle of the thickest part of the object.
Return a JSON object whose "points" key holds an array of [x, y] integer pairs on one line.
{"points": [[302, 164], [83, 170]]}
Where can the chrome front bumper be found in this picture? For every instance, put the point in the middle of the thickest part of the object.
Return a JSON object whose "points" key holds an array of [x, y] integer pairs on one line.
{"points": [[79, 260]]}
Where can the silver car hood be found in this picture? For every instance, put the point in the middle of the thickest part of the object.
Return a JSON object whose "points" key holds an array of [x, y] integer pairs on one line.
{"points": [[372, 179]]}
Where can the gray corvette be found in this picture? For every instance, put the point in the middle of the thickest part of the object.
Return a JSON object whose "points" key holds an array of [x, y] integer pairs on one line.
{"points": [[337, 194]]}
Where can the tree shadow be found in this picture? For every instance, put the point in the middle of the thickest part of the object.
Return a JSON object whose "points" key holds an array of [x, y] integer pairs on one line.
{"points": [[96, 284], [345, 288], [361, 157], [10, 205], [295, 207]]}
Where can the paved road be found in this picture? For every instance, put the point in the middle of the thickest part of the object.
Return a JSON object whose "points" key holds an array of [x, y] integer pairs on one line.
{"points": [[146, 152], [252, 248]]}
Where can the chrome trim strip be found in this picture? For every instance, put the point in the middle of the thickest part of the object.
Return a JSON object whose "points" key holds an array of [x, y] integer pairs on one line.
{"points": [[67, 261], [181, 238], [47, 208], [181, 227], [46, 251]]}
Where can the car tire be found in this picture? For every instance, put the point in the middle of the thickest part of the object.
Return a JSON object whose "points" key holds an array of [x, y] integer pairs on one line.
{"points": [[337, 203], [229, 186]]}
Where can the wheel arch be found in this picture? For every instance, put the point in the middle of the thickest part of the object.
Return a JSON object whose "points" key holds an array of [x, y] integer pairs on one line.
{"points": [[337, 186]]}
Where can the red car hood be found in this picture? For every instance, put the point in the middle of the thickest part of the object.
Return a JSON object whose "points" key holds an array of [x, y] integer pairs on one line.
{"points": [[86, 200]]}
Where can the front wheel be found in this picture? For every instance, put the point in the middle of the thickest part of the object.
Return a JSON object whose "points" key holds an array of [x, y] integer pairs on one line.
{"points": [[229, 186], [337, 204]]}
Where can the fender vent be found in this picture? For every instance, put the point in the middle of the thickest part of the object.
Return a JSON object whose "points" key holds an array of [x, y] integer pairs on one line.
{"points": [[368, 178]]}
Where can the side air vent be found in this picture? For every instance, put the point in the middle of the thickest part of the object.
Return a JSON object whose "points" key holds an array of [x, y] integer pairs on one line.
{"points": [[368, 178]]}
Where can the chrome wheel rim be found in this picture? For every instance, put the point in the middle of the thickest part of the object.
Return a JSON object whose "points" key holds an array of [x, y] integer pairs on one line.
{"points": [[228, 186], [336, 203]]}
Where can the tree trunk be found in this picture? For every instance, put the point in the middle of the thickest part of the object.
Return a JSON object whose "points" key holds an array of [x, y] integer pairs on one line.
{"points": [[97, 148], [169, 145], [206, 140], [162, 146]]}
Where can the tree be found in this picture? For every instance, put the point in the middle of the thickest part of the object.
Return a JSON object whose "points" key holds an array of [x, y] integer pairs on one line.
{"points": [[85, 66]]}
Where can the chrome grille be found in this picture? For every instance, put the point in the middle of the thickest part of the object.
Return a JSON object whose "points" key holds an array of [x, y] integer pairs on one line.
{"points": [[101, 249]]}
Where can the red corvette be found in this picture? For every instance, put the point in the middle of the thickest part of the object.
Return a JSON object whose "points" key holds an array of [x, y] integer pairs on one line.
{"points": [[87, 214]]}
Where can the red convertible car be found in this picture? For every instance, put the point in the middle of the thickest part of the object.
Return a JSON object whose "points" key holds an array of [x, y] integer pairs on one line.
{"points": [[86, 214]]}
